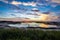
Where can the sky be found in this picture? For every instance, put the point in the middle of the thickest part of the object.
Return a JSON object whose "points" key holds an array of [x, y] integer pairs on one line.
{"points": [[33, 9]]}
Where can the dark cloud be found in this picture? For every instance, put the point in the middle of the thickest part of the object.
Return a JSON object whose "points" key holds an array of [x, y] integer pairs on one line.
{"points": [[46, 12]]}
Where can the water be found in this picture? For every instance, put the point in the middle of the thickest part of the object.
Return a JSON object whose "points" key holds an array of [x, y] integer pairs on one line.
{"points": [[28, 25], [33, 25], [25, 25]]}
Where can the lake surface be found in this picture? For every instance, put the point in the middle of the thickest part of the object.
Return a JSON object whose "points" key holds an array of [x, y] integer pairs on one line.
{"points": [[29, 25], [33, 25]]}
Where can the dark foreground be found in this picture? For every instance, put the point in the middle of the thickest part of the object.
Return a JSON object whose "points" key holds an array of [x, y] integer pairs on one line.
{"points": [[21, 34]]}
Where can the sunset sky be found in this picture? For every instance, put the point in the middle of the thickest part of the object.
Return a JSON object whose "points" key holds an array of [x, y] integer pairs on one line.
{"points": [[40, 9]]}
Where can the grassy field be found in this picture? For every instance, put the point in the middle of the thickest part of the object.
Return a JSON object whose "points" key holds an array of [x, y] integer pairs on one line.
{"points": [[20, 34]]}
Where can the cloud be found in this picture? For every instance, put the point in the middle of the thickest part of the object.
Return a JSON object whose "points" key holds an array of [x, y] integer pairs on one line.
{"points": [[52, 17], [29, 4], [35, 9], [47, 16], [19, 3], [54, 4], [15, 3], [56, 1], [6, 1], [23, 3]]}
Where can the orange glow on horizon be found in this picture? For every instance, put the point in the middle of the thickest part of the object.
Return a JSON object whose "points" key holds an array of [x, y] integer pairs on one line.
{"points": [[43, 25]]}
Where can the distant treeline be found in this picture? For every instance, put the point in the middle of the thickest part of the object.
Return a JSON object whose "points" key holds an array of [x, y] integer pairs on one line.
{"points": [[9, 22], [21, 34]]}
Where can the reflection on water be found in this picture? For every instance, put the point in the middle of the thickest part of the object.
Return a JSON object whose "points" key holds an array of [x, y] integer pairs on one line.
{"points": [[43, 25], [46, 25], [25, 25], [32, 25]]}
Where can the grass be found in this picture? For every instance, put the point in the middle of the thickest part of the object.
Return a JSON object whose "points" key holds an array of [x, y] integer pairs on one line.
{"points": [[21, 34]]}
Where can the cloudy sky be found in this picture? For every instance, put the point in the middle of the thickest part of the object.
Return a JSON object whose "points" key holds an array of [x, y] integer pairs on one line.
{"points": [[43, 9]]}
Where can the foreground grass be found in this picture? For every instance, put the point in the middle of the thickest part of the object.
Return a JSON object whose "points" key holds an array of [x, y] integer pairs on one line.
{"points": [[19, 34]]}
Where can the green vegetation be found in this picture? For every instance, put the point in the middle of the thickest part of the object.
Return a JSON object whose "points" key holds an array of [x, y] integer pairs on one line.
{"points": [[19, 34]]}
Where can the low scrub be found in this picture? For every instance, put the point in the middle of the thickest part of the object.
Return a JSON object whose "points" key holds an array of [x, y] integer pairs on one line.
{"points": [[18, 34]]}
